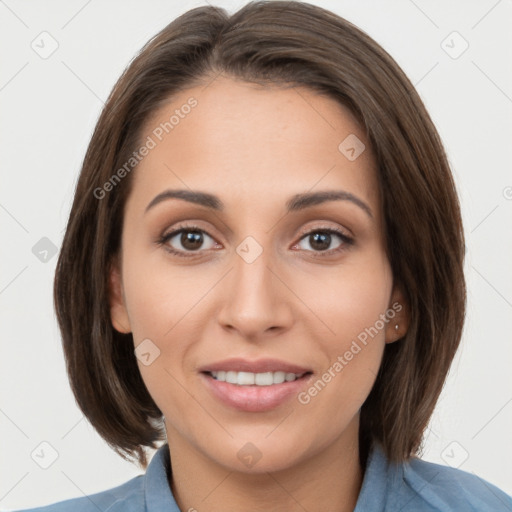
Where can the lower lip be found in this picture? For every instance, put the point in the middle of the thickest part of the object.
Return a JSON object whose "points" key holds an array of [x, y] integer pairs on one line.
{"points": [[254, 398]]}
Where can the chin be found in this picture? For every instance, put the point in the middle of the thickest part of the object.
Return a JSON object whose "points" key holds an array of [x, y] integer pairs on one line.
{"points": [[259, 455]]}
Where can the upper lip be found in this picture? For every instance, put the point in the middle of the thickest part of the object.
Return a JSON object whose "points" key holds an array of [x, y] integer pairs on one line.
{"points": [[258, 366]]}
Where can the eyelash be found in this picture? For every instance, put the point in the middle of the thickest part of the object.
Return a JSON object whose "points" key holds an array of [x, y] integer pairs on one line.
{"points": [[164, 238]]}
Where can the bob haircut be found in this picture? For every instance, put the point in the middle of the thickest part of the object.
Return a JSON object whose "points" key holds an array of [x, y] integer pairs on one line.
{"points": [[274, 44]]}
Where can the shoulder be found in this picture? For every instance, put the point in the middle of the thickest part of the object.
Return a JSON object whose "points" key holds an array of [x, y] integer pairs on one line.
{"points": [[451, 490], [127, 497]]}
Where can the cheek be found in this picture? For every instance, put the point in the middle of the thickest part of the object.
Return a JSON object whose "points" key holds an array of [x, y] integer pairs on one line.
{"points": [[351, 304], [159, 303], [346, 299], [157, 294]]}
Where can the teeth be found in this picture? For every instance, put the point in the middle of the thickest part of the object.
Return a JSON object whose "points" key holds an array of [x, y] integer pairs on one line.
{"points": [[251, 379]]}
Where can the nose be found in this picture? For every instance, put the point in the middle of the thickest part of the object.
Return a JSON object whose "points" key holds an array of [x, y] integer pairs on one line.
{"points": [[256, 299]]}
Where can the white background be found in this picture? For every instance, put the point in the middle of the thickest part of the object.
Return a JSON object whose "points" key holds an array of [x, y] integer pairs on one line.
{"points": [[49, 109]]}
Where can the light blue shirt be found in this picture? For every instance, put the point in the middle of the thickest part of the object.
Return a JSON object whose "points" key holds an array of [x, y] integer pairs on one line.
{"points": [[415, 486]]}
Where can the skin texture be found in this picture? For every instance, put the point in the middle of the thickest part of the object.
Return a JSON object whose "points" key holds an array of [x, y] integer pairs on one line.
{"points": [[255, 147]]}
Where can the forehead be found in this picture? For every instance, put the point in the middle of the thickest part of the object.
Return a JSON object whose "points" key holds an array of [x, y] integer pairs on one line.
{"points": [[245, 141]]}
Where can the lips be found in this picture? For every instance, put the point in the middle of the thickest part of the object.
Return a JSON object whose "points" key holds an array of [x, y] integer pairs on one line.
{"points": [[254, 398], [258, 366]]}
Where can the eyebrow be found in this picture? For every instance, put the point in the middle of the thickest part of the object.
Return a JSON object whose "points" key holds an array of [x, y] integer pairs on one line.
{"points": [[296, 203]]}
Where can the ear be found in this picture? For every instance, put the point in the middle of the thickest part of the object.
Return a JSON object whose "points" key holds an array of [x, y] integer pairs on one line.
{"points": [[397, 325], [118, 312]]}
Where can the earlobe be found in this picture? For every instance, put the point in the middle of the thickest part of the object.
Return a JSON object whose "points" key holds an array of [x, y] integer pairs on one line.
{"points": [[118, 312], [398, 323]]}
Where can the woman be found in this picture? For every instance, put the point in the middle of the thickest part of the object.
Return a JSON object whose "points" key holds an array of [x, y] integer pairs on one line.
{"points": [[263, 267]]}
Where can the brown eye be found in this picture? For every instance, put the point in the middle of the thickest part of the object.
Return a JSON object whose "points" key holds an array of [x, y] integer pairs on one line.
{"points": [[185, 240], [320, 240], [191, 240]]}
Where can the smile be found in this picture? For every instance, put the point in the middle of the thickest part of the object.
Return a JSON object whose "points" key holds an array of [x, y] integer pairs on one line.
{"points": [[257, 379], [258, 392]]}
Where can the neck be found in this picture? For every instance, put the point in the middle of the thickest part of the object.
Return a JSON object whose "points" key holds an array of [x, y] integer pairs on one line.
{"points": [[329, 480]]}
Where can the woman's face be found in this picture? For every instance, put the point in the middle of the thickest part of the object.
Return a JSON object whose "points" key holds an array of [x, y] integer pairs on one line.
{"points": [[258, 273]]}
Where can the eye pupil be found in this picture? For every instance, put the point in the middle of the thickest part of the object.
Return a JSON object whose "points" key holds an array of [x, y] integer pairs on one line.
{"points": [[191, 239], [319, 239]]}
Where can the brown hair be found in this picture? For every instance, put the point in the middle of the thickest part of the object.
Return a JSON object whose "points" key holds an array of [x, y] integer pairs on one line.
{"points": [[288, 44]]}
